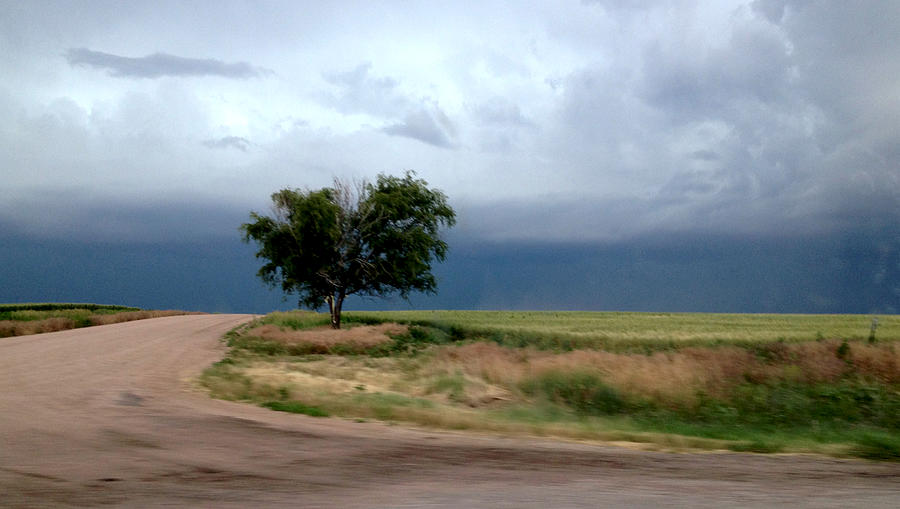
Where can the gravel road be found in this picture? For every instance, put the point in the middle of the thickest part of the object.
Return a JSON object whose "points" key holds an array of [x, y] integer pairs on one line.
{"points": [[108, 416]]}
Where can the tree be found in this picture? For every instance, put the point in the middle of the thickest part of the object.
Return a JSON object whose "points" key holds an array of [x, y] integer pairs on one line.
{"points": [[364, 239]]}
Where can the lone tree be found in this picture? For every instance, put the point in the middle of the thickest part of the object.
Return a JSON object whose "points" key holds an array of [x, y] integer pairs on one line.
{"points": [[364, 239]]}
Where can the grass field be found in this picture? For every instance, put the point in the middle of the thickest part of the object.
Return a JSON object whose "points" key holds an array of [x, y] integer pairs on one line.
{"points": [[764, 383], [35, 318], [617, 330]]}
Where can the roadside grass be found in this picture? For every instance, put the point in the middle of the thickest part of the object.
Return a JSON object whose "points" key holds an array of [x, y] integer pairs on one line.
{"points": [[58, 306], [26, 319], [295, 407], [743, 391]]}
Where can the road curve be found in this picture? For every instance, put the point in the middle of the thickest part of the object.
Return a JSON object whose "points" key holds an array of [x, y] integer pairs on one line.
{"points": [[109, 416]]}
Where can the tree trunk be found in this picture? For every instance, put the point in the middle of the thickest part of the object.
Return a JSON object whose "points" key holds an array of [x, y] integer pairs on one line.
{"points": [[334, 306]]}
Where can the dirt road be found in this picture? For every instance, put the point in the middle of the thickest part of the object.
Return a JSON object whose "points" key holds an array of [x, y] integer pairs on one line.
{"points": [[107, 416]]}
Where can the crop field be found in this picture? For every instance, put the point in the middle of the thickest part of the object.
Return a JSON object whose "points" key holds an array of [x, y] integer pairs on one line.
{"points": [[36, 318], [620, 330], [763, 383]]}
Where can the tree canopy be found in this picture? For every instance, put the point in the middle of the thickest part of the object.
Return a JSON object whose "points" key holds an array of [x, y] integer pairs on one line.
{"points": [[366, 238]]}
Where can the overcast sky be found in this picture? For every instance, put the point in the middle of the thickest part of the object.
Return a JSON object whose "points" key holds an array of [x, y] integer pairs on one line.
{"points": [[721, 155], [595, 120]]}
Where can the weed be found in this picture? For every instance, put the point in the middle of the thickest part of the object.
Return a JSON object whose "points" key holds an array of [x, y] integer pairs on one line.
{"points": [[453, 385], [25, 319], [878, 446], [582, 391], [762, 446], [843, 351], [295, 407]]}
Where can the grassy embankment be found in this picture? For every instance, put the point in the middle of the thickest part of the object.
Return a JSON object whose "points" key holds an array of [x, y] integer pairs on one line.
{"points": [[764, 383], [25, 319]]}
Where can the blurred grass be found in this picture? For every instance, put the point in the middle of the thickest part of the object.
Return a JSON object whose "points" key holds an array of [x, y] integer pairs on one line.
{"points": [[752, 383], [26, 319]]}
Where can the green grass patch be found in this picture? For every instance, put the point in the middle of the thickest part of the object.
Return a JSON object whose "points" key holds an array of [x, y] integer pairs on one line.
{"points": [[295, 407], [878, 446], [297, 320], [582, 391]]}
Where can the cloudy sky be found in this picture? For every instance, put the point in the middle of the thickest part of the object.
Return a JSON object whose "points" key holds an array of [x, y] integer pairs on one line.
{"points": [[603, 123]]}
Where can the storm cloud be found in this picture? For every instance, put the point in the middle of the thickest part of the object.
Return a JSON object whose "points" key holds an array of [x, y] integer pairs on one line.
{"points": [[599, 123]]}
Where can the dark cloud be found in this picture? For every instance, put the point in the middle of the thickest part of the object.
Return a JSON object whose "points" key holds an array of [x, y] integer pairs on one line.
{"points": [[158, 65], [236, 142], [788, 124], [214, 275], [699, 83], [75, 214], [846, 273], [428, 126]]}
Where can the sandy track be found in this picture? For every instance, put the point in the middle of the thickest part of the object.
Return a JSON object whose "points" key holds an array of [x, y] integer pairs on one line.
{"points": [[107, 416]]}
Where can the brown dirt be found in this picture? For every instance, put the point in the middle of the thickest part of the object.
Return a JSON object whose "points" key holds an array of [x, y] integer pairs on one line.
{"points": [[108, 416]]}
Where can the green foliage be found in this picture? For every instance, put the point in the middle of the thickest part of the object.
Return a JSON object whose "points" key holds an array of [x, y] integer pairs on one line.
{"points": [[878, 446], [413, 341], [790, 405], [295, 407], [375, 240], [54, 306], [263, 346], [843, 351], [582, 391]]}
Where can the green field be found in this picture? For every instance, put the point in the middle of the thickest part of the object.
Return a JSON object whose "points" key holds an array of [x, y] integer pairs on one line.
{"points": [[762, 383], [620, 330]]}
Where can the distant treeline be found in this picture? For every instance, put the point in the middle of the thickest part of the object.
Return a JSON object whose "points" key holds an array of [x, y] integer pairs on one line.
{"points": [[60, 306]]}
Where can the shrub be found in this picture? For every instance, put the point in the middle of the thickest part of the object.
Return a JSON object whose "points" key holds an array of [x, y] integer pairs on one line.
{"points": [[582, 391], [878, 446], [295, 407]]}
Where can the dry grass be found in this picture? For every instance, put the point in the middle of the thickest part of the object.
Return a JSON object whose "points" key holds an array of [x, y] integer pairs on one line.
{"points": [[677, 378], [18, 328], [483, 385], [325, 339], [764, 383], [32, 322], [129, 316]]}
